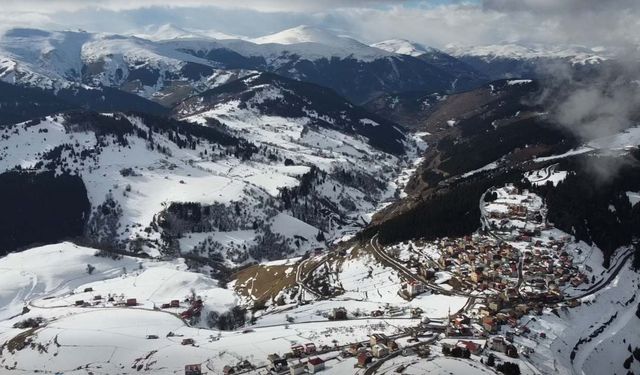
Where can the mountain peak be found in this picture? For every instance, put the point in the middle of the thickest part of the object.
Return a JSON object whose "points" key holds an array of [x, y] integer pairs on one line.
{"points": [[303, 34], [403, 47], [167, 31], [170, 31], [575, 53]]}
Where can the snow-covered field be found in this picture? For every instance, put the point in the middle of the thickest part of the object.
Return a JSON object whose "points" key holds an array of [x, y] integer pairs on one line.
{"points": [[103, 336], [52, 270], [607, 324], [438, 365], [107, 338], [546, 175], [365, 279]]}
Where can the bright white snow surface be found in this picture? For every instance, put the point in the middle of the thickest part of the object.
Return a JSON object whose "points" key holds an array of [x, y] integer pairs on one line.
{"points": [[436, 366], [513, 82], [364, 279], [634, 197], [55, 276], [304, 34], [108, 339], [575, 54], [609, 316], [51, 270], [403, 47], [546, 175]]}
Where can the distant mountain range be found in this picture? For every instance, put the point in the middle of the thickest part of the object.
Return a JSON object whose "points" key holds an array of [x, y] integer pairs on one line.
{"points": [[169, 64]]}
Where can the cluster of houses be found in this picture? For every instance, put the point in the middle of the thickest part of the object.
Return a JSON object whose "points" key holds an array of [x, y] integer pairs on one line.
{"points": [[173, 304], [517, 267], [97, 299], [307, 357], [194, 309], [380, 346], [479, 333], [194, 304], [465, 348], [301, 359], [546, 265]]}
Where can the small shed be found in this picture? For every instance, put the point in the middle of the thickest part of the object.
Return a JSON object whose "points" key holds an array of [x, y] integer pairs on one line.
{"points": [[309, 348], [378, 338], [297, 368], [364, 358], [380, 350], [474, 348], [193, 369], [297, 350], [315, 365], [280, 365], [273, 357]]}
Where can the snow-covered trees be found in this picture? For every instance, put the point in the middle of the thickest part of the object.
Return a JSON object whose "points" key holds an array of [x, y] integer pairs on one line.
{"points": [[228, 320], [102, 228]]}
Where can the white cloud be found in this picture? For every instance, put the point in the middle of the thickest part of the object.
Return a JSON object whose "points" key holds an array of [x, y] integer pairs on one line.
{"points": [[48, 6], [587, 22]]}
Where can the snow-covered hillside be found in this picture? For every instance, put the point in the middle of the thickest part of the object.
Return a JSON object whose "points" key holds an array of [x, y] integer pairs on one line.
{"points": [[574, 54], [313, 106], [70, 310], [170, 31], [403, 47], [151, 171], [595, 337], [67, 59], [167, 64], [307, 34]]}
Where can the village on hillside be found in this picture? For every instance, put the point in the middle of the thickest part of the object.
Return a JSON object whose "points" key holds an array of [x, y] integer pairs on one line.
{"points": [[517, 265], [411, 308]]}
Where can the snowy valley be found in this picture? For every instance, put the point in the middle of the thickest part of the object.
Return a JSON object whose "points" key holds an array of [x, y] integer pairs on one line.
{"points": [[187, 201]]}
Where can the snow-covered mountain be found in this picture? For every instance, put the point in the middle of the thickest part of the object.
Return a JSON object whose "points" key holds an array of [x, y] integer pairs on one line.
{"points": [[403, 47], [575, 54], [266, 94], [172, 63], [307, 34], [265, 180], [170, 31], [77, 59], [509, 60], [467, 77], [497, 233], [167, 64], [355, 70]]}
